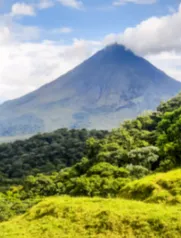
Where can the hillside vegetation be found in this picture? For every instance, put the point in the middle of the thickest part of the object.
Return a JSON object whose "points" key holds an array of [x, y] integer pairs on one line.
{"points": [[96, 218], [157, 188], [44, 153], [144, 146], [140, 160]]}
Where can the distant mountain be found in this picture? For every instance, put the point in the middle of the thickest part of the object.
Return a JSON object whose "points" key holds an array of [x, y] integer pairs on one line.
{"points": [[112, 85]]}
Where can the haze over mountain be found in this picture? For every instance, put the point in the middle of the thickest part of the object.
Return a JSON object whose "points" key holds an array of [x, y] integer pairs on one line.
{"points": [[112, 85]]}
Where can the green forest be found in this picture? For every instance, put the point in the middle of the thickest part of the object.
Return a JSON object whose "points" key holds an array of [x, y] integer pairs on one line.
{"points": [[123, 183], [43, 153]]}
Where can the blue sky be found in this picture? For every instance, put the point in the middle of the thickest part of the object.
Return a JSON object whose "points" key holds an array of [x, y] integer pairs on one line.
{"points": [[42, 39], [96, 19]]}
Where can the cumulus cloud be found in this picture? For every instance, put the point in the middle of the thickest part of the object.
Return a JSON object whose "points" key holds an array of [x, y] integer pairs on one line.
{"points": [[24, 9], [154, 35], [71, 3], [122, 2], [27, 66], [169, 62], [158, 39], [11, 32], [4, 35], [20, 9]]}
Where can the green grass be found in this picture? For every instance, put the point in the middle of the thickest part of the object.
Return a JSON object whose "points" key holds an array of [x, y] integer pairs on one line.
{"points": [[65, 217], [158, 188]]}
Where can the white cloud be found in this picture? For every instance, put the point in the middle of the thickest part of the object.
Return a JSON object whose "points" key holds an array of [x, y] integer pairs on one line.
{"points": [[20, 9], [71, 3], [169, 62], [154, 35], [62, 30], [27, 66], [43, 4], [4, 35], [11, 32], [158, 39], [122, 2]]}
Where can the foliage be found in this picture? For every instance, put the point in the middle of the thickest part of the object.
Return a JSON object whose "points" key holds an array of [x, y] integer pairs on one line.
{"points": [[170, 105], [44, 153], [102, 179], [144, 156], [169, 138], [12, 205]]}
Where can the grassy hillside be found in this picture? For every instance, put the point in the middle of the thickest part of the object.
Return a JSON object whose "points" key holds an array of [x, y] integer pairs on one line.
{"points": [[159, 188], [96, 218]]}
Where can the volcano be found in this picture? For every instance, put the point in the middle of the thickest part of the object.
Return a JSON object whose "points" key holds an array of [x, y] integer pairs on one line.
{"points": [[109, 87]]}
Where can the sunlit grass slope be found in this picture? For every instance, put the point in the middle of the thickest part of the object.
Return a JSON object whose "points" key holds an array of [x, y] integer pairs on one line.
{"points": [[160, 187], [65, 217]]}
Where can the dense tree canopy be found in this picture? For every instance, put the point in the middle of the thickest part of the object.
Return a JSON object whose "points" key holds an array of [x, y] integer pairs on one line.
{"points": [[44, 153]]}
